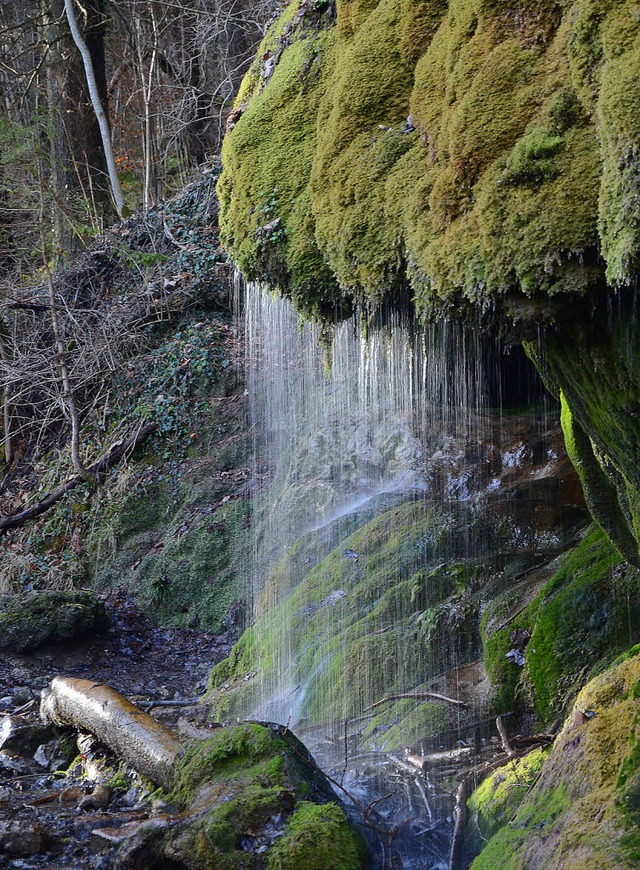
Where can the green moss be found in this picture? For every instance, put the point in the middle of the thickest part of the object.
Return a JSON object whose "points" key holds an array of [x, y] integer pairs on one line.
{"points": [[246, 777], [595, 365], [576, 813], [504, 848], [494, 803], [198, 567], [266, 215], [584, 614], [310, 826], [495, 191]]}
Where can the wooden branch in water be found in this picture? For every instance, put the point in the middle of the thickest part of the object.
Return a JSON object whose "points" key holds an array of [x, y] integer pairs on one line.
{"points": [[472, 780], [149, 705], [418, 696], [115, 454], [132, 734], [459, 823], [502, 731]]}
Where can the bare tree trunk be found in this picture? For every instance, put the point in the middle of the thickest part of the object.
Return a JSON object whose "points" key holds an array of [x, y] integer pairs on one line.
{"points": [[6, 396], [78, 175], [61, 357], [98, 108]]}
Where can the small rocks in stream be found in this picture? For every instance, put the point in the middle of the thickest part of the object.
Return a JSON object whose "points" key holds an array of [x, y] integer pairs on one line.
{"points": [[23, 737], [49, 822], [13, 764], [19, 839], [99, 799], [71, 794]]}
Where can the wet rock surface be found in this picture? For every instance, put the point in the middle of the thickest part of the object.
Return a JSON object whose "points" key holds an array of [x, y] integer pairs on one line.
{"points": [[65, 800]]}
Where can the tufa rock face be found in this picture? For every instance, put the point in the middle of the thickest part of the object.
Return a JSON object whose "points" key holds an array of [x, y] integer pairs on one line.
{"points": [[583, 809], [514, 180], [512, 189]]}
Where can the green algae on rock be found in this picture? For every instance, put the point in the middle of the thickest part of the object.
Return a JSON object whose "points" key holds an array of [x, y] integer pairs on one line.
{"points": [[518, 162], [581, 615]]}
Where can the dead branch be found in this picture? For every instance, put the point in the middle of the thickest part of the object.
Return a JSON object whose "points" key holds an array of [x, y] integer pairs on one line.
{"points": [[420, 696], [97, 469], [384, 835], [149, 705], [502, 731]]}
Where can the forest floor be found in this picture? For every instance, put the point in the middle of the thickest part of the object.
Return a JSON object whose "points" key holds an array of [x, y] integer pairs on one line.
{"points": [[51, 813]]}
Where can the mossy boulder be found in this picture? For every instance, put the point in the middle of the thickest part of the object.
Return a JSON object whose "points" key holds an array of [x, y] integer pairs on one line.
{"points": [[582, 809], [30, 619], [494, 803], [252, 792]]}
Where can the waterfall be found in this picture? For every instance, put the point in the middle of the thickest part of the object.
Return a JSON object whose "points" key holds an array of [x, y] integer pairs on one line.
{"points": [[381, 455]]}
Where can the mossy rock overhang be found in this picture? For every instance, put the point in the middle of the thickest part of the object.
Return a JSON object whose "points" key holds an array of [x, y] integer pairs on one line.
{"points": [[484, 153], [478, 158]]}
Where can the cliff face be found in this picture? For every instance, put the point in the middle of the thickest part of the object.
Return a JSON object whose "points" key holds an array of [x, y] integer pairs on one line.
{"points": [[478, 156]]}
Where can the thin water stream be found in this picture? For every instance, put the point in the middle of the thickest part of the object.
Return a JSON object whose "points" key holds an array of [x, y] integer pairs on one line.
{"points": [[396, 484]]}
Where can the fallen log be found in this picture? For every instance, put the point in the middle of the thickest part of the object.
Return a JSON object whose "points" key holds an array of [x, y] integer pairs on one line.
{"points": [[132, 734], [115, 454]]}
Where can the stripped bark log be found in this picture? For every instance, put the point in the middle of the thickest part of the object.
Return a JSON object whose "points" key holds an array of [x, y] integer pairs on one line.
{"points": [[132, 734], [115, 454]]}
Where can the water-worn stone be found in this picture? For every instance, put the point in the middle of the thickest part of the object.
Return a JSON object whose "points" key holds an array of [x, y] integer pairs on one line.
{"points": [[12, 764], [19, 736], [99, 799], [19, 839]]}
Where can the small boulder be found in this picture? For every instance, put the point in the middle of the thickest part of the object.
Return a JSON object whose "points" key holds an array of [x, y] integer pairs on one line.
{"points": [[21, 737], [30, 619]]}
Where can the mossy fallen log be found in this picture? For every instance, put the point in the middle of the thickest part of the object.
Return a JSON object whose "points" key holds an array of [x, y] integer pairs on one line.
{"points": [[132, 734]]}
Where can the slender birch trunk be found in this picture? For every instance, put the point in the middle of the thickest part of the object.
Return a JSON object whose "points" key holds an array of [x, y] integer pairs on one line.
{"points": [[98, 108]]}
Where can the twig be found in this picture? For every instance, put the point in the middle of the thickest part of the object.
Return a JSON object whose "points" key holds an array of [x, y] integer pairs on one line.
{"points": [[148, 705], [502, 731], [434, 696], [384, 836]]}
